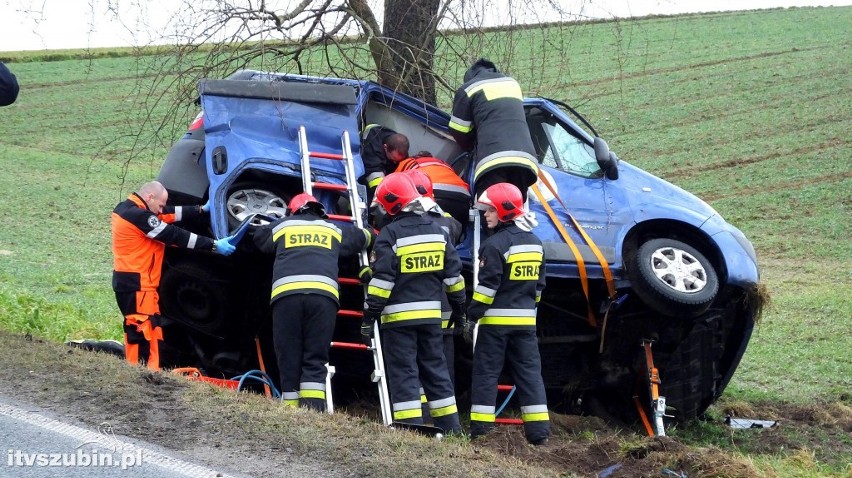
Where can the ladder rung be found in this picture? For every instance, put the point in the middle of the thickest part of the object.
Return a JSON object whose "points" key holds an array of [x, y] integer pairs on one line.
{"points": [[348, 345], [326, 155], [350, 313], [504, 388], [348, 281], [330, 186], [338, 217], [509, 421]]}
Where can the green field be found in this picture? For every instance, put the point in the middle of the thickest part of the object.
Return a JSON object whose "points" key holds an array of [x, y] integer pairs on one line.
{"points": [[751, 111]]}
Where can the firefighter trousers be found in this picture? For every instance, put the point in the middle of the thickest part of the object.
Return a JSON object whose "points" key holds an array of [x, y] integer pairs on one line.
{"points": [[414, 353], [142, 326], [302, 329], [517, 347]]}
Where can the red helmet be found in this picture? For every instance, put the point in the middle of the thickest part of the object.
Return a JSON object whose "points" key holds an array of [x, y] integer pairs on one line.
{"points": [[303, 201], [395, 192], [422, 181], [506, 198]]}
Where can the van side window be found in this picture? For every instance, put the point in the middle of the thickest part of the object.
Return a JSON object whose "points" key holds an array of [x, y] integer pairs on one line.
{"points": [[556, 147]]}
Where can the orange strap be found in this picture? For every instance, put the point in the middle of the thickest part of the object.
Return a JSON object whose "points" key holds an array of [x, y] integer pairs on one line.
{"points": [[610, 282], [581, 264], [262, 367], [643, 416]]}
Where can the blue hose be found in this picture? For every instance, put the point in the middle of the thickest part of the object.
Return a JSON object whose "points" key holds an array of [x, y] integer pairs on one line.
{"points": [[259, 376], [506, 401]]}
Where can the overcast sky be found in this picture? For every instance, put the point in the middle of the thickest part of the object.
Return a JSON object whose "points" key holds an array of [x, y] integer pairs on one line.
{"points": [[58, 24]]}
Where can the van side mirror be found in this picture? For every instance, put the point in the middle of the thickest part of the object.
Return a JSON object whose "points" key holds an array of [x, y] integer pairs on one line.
{"points": [[607, 160]]}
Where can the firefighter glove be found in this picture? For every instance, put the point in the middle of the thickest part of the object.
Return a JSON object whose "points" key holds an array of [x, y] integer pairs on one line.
{"points": [[457, 320], [467, 331], [367, 329], [224, 246], [365, 275]]}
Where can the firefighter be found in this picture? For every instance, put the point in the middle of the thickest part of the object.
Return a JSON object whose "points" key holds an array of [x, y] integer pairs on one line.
{"points": [[511, 278], [8, 86], [452, 230], [412, 262], [305, 296], [381, 149], [141, 230], [450, 191], [488, 119]]}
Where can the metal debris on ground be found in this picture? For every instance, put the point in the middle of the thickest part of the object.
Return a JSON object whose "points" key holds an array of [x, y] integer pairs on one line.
{"points": [[749, 423]]}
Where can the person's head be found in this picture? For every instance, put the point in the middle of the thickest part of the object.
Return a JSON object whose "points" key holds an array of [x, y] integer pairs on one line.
{"points": [[304, 202], [395, 192], [502, 202], [155, 196], [479, 66], [396, 147], [422, 182]]}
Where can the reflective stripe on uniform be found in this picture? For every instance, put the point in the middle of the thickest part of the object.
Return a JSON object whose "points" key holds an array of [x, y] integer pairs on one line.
{"points": [[484, 294], [380, 288], [523, 317], [482, 413], [451, 188], [443, 407], [316, 282], [524, 253], [404, 410], [460, 125], [290, 398], [427, 309], [374, 179], [496, 88], [307, 233], [535, 413], [153, 233], [518, 158], [419, 243], [312, 390], [454, 284]]}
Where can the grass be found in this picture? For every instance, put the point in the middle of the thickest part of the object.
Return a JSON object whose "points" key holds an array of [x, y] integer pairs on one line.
{"points": [[750, 111]]}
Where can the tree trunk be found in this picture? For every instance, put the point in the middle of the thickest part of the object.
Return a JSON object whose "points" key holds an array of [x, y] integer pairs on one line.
{"points": [[409, 27]]}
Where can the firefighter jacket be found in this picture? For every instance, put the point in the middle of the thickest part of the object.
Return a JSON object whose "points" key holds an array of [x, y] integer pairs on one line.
{"points": [[307, 248], [488, 118], [511, 278], [139, 240], [413, 261], [376, 162], [444, 178], [452, 231]]}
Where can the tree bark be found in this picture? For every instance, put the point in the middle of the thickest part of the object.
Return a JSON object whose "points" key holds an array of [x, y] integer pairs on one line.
{"points": [[409, 31]]}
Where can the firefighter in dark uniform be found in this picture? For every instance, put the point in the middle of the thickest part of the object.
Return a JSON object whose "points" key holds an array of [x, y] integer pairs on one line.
{"points": [[305, 295], [141, 230], [381, 149], [450, 191], [413, 262], [511, 278], [488, 119], [452, 230]]}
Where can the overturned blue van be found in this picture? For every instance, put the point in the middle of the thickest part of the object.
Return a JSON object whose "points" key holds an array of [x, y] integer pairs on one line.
{"points": [[636, 258]]}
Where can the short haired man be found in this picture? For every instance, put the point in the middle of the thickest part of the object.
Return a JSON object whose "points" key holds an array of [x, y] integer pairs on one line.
{"points": [[141, 230]]}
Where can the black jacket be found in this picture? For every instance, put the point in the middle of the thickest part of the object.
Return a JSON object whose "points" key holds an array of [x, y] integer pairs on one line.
{"points": [[413, 260], [307, 248], [511, 278], [488, 118], [376, 162], [8, 86]]}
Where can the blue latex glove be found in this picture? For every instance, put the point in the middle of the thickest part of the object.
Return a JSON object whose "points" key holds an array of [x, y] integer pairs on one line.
{"points": [[206, 206], [224, 246]]}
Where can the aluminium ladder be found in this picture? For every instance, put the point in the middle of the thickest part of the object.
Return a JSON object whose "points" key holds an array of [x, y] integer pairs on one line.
{"points": [[357, 207]]}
